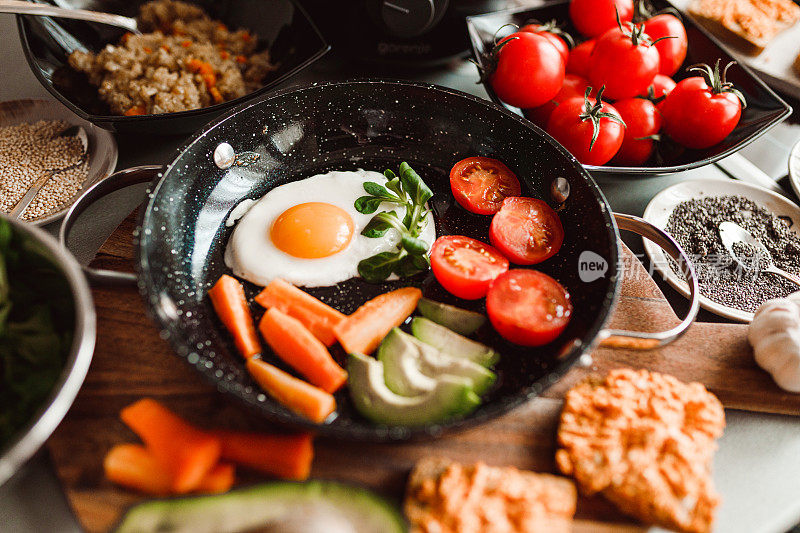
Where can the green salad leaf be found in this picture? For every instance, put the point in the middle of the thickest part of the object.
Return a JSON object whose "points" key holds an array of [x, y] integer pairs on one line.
{"points": [[405, 189]]}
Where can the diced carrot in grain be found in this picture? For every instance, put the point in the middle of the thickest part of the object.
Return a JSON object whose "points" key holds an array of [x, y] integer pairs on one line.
{"points": [[284, 456], [293, 393], [188, 453], [301, 350], [227, 296], [134, 466], [135, 110], [318, 317], [363, 331]]}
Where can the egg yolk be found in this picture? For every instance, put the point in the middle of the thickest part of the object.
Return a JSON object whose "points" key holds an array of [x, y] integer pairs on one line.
{"points": [[312, 230]]}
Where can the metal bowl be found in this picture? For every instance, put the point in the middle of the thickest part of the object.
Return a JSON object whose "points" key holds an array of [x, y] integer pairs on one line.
{"points": [[102, 153], [294, 43], [31, 437]]}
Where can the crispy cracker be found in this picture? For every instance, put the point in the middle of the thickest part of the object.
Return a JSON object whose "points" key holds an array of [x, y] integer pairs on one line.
{"points": [[531, 502], [646, 442]]}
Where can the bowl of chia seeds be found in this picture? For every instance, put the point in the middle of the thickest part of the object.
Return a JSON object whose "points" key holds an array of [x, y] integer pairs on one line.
{"points": [[33, 144], [691, 213]]}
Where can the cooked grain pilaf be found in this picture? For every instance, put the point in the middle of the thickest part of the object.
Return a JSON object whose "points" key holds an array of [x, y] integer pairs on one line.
{"points": [[187, 61], [29, 150]]}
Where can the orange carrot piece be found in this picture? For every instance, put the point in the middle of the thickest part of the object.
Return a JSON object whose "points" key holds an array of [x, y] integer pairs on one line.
{"points": [[134, 466], [294, 394], [363, 331], [219, 479], [188, 453], [135, 111], [301, 350], [284, 456], [230, 303], [317, 316]]}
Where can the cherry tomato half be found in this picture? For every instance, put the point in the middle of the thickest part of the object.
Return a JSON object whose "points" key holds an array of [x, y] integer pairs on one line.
{"points": [[465, 267], [526, 230], [480, 184], [527, 307]]}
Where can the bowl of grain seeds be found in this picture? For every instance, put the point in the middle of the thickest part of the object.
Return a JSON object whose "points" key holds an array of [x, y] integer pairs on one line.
{"points": [[691, 212], [33, 144]]}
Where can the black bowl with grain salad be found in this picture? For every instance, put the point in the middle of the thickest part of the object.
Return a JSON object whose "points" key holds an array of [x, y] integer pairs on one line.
{"points": [[192, 61]]}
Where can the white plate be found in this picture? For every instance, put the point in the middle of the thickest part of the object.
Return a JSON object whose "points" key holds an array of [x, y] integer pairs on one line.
{"points": [[794, 168], [660, 208]]}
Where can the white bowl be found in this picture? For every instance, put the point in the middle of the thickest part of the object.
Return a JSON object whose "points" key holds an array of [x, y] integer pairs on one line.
{"points": [[661, 206]]}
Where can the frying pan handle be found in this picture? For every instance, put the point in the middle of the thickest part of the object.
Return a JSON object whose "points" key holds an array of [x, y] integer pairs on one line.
{"points": [[639, 340], [118, 180]]}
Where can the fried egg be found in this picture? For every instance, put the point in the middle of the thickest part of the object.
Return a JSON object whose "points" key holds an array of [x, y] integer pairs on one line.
{"points": [[308, 233]]}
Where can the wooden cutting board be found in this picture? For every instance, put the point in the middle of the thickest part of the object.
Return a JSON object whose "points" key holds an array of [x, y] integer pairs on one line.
{"points": [[131, 361]]}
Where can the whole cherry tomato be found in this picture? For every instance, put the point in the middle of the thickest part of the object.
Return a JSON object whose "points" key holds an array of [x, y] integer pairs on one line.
{"points": [[590, 129], [527, 307], [594, 17], [625, 61], [553, 33], [525, 70], [642, 120], [579, 58], [702, 110], [672, 42], [661, 86], [573, 86]]}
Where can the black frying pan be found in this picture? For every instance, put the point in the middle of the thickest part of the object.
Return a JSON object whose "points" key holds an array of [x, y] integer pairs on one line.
{"points": [[373, 125]]}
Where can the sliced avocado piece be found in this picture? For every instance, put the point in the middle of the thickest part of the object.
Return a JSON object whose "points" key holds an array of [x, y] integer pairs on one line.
{"points": [[459, 320], [452, 343], [284, 507], [451, 397], [411, 367]]}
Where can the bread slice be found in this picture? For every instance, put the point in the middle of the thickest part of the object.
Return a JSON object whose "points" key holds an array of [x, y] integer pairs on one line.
{"points": [[748, 25], [498, 499]]}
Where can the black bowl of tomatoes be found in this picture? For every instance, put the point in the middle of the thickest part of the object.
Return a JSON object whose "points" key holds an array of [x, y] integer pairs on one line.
{"points": [[626, 87]]}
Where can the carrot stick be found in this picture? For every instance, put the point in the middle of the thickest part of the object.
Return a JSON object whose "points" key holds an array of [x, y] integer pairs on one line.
{"points": [[363, 331], [230, 303], [219, 479], [134, 467], [294, 394], [185, 451], [284, 456], [293, 343], [317, 316]]}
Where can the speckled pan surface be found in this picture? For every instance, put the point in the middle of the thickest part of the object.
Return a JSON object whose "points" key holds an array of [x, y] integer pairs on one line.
{"points": [[765, 109], [102, 152], [371, 125], [282, 25]]}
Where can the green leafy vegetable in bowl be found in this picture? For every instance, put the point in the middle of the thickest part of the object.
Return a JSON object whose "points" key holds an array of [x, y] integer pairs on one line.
{"points": [[405, 189], [36, 325]]}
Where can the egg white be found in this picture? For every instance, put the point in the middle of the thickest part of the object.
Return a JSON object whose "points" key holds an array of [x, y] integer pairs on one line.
{"points": [[251, 254]]}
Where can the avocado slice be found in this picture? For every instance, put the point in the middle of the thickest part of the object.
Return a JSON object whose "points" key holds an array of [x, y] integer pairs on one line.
{"points": [[452, 343], [411, 367], [451, 397], [284, 507], [459, 320]]}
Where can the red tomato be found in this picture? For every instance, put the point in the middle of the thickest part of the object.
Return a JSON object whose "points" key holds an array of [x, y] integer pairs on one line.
{"points": [[702, 111], [553, 33], [573, 124], [528, 70], [480, 184], [671, 52], [527, 307], [578, 62], [573, 86], [642, 119], [662, 85], [594, 17], [464, 266], [623, 61], [526, 230]]}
